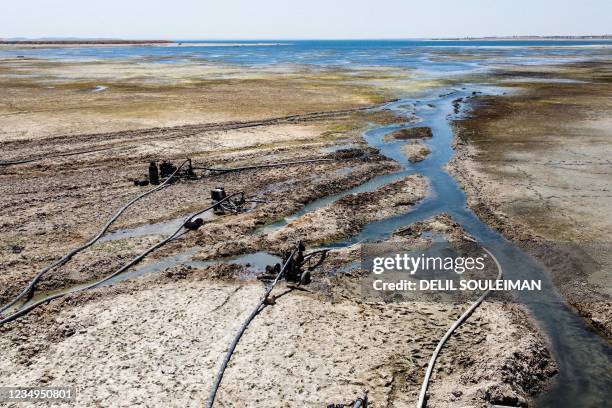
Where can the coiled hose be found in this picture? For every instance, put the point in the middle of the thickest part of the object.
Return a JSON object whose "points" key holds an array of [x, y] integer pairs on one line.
{"points": [[458, 322]]}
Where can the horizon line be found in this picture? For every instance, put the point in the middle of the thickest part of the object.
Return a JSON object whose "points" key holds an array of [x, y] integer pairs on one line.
{"points": [[488, 37]]}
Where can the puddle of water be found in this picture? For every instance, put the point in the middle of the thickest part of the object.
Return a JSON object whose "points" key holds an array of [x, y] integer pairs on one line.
{"points": [[255, 263], [160, 228], [344, 172]]}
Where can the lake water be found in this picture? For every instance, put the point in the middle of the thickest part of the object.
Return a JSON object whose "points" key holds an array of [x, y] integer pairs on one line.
{"points": [[427, 56]]}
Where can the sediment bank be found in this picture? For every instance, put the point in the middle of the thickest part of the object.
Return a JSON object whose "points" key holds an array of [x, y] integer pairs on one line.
{"points": [[535, 166]]}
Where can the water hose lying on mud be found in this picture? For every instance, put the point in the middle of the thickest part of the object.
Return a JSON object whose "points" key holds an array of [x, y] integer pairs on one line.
{"points": [[260, 166], [458, 322], [28, 289], [93, 240], [260, 306], [183, 229], [89, 243]]}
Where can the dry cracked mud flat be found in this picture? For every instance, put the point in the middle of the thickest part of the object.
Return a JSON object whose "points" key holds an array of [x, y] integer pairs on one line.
{"points": [[158, 339]]}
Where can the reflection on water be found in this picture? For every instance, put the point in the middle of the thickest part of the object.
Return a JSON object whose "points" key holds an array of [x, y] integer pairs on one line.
{"points": [[585, 377], [255, 264]]}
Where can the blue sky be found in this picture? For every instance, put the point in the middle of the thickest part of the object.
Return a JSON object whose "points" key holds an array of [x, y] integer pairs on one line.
{"points": [[285, 19]]}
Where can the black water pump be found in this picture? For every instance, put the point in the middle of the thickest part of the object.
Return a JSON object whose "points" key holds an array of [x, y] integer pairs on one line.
{"points": [[293, 271], [217, 195], [222, 204], [158, 173], [153, 173]]}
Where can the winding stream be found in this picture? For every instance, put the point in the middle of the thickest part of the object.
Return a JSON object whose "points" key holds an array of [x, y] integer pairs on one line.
{"points": [[584, 358]]}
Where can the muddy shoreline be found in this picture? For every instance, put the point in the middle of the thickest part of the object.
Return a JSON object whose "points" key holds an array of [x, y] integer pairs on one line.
{"points": [[488, 160]]}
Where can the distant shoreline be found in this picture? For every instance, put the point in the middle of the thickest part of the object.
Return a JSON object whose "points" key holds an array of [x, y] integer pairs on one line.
{"points": [[528, 38], [285, 41], [119, 43], [84, 42]]}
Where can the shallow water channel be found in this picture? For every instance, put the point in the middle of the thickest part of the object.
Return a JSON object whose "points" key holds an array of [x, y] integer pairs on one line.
{"points": [[584, 358]]}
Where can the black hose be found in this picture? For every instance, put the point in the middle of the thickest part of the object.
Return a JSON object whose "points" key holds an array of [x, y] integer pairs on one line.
{"points": [[260, 166], [49, 156], [317, 251], [89, 243], [449, 332], [178, 233], [260, 306]]}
